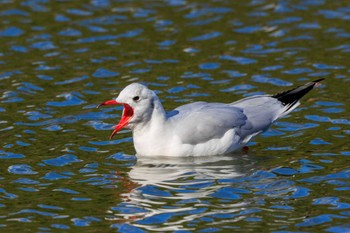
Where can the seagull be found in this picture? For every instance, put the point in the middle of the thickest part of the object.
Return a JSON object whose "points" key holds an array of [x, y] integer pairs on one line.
{"points": [[199, 128]]}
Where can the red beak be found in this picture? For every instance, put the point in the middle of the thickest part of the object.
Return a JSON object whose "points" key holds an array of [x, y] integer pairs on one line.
{"points": [[128, 112]]}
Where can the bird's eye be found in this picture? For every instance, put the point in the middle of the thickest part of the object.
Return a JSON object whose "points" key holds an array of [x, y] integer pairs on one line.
{"points": [[136, 98]]}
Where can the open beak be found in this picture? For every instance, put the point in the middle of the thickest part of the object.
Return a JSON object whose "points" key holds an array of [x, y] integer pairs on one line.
{"points": [[128, 112]]}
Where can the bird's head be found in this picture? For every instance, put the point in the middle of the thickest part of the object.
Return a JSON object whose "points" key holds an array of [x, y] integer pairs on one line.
{"points": [[138, 102]]}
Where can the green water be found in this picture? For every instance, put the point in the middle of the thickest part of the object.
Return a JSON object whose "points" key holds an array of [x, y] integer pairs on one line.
{"points": [[59, 59]]}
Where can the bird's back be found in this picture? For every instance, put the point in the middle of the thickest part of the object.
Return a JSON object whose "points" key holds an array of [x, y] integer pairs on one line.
{"points": [[201, 121]]}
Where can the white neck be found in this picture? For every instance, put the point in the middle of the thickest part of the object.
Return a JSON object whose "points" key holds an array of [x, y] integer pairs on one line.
{"points": [[147, 136], [154, 119]]}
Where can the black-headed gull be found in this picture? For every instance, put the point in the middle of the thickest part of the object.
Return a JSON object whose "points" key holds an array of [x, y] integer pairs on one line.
{"points": [[200, 128]]}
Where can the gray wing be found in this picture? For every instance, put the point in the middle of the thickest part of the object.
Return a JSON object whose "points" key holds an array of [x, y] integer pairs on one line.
{"points": [[199, 122], [261, 112]]}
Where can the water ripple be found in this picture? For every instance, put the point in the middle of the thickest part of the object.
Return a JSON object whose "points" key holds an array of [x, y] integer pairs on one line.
{"points": [[60, 59], [11, 32], [206, 36], [21, 169], [71, 99], [62, 160]]}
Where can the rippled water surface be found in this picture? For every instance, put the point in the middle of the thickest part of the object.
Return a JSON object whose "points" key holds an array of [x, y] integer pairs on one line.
{"points": [[59, 59]]}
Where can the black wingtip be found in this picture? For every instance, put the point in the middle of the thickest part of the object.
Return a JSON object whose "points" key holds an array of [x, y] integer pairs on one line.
{"points": [[318, 80], [292, 96]]}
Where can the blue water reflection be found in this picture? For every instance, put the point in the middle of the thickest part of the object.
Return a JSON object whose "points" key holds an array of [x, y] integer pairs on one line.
{"points": [[234, 186]]}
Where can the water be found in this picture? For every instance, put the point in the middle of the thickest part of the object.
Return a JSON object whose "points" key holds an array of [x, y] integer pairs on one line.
{"points": [[59, 171]]}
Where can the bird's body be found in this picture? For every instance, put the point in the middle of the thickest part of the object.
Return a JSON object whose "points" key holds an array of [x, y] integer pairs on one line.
{"points": [[200, 128]]}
